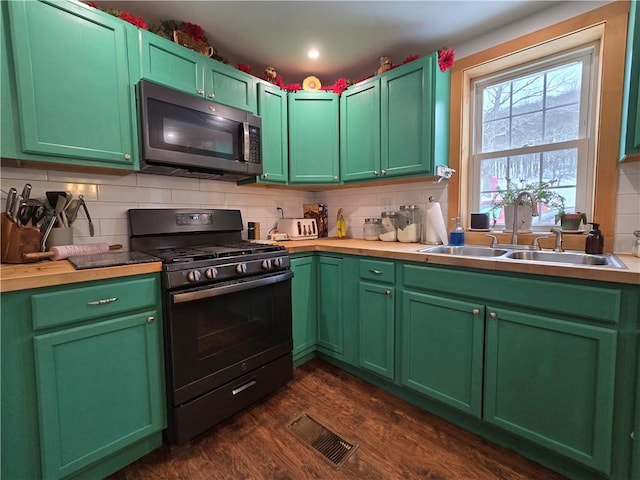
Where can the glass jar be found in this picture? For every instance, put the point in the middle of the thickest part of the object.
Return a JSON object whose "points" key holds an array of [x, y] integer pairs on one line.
{"points": [[636, 245], [409, 224], [371, 229], [388, 226]]}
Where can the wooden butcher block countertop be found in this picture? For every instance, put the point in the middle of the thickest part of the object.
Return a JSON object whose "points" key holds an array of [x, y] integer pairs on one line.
{"points": [[51, 273], [409, 252]]}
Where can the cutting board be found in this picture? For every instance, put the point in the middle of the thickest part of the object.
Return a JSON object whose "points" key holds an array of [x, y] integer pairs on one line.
{"points": [[111, 259]]}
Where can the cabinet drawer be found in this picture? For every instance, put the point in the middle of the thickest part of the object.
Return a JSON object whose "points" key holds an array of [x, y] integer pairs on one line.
{"points": [[600, 304], [377, 270], [99, 299]]}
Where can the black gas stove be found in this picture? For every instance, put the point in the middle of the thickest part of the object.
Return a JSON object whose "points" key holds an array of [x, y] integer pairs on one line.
{"points": [[227, 313]]}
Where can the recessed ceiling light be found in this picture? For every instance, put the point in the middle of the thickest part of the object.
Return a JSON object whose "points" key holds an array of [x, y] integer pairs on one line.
{"points": [[313, 53]]}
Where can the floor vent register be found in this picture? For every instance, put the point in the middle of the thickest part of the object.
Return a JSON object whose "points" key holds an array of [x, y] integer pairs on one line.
{"points": [[331, 446]]}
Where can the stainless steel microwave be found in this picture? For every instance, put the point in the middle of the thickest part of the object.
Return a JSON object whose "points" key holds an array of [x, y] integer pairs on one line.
{"points": [[185, 135]]}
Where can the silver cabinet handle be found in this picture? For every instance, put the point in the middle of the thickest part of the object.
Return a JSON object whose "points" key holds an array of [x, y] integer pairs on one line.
{"points": [[475, 311], [150, 319], [212, 95], [242, 388], [201, 91], [493, 315], [104, 301], [383, 172], [127, 156], [387, 292], [265, 175], [375, 271], [335, 178], [375, 172]]}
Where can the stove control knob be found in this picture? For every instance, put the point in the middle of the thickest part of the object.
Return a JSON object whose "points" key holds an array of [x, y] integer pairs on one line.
{"points": [[241, 268], [211, 273], [266, 264], [277, 262], [194, 275]]}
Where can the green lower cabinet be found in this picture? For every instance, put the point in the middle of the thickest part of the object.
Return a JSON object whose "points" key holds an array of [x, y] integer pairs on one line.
{"points": [[98, 390], [442, 349], [636, 443], [376, 328], [552, 382], [330, 305], [304, 306]]}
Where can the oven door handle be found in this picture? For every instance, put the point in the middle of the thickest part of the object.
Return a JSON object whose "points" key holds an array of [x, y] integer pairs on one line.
{"points": [[232, 288]]}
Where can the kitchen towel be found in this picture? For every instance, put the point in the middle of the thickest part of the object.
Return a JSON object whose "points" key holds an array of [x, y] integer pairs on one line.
{"points": [[435, 230]]}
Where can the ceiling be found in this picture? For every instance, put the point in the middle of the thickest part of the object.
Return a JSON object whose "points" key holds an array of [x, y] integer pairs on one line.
{"points": [[350, 35]]}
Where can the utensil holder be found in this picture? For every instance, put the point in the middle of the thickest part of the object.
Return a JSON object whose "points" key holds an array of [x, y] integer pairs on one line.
{"points": [[17, 240], [59, 236]]}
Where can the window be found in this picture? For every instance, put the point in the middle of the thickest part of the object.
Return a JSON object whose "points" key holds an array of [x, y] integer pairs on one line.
{"points": [[531, 124]]}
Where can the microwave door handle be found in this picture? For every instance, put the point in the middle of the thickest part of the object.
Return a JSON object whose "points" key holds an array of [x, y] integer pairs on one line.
{"points": [[246, 139]]}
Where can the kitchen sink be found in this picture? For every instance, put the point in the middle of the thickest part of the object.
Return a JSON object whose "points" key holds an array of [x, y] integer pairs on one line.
{"points": [[466, 251], [516, 254], [573, 258]]}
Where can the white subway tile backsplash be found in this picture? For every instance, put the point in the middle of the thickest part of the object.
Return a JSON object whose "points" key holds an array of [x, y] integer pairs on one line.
{"points": [[111, 193], [21, 174], [197, 197], [95, 178], [165, 181]]}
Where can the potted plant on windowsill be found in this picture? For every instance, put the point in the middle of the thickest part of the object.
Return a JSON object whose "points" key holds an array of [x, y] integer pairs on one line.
{"points": [[506, 198]]}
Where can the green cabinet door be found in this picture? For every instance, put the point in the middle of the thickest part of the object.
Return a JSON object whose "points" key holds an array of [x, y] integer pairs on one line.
{"points": [[99, 390], [376, 328], [272, 108], [552, 382], [415, 118], [170, 64], [442, 342], [230, 86], [635, 473], [81, 113], [330, 305], [304, 305], [314, 155], [630, 135], [360, 131]]}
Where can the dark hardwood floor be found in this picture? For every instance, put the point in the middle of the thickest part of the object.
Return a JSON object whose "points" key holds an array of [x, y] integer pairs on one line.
{"points": [[396, 440]]}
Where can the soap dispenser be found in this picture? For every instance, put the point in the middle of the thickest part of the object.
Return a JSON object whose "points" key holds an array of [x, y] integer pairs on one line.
{"points": [[595, 240], [456, 235]]}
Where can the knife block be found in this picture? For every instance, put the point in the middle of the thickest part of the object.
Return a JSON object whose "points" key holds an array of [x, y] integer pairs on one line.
{"points": [[17, 240]]}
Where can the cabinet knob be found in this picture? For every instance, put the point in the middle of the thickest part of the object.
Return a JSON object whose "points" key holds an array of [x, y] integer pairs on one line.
{"points": [[383, 172], [265, 175], [150, 319], [475, 311], [387, 292], [335, 178], [212, 95], [127, 156], [375, 172], [493, 315], [201, 91]]}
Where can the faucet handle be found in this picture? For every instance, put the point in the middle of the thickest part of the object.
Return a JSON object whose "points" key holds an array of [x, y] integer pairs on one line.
{"points": [[493, 238], [536, 242]]}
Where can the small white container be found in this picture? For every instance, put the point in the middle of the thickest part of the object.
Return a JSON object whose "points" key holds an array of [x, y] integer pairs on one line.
{"points": [[371, 229]]}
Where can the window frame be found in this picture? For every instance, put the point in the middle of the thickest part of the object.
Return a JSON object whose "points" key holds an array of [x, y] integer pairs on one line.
{"points": [[585, 143], [608, 24]]}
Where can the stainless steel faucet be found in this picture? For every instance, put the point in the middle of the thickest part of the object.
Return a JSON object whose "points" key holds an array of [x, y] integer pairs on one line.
{"points": [[534, 208], [558, 234]]}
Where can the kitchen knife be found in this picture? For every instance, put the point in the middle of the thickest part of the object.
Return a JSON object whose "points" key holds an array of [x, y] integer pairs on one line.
{"points": [[26, 192], [15, 208], [86, 212], [11, 198]]}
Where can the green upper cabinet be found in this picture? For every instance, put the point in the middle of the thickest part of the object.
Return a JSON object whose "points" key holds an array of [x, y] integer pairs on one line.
{"points": [[552, 381], [442, 349], [630, 135], [178, 67], [73, 94], [272, 108], [304, 305], [415, 118], [314, 152], [360, 131], [171, 64]]}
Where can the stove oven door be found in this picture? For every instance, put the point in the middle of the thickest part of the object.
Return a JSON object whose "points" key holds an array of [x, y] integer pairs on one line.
{"points": [[218, 333]]}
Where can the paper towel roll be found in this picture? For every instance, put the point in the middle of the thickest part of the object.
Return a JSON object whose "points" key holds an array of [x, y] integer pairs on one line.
{"points": [[435, 231]]}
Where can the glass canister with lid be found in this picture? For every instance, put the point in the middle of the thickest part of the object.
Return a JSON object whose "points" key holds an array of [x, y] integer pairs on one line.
{"points": [[371, 229], [409, 224], [388, 226]]}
